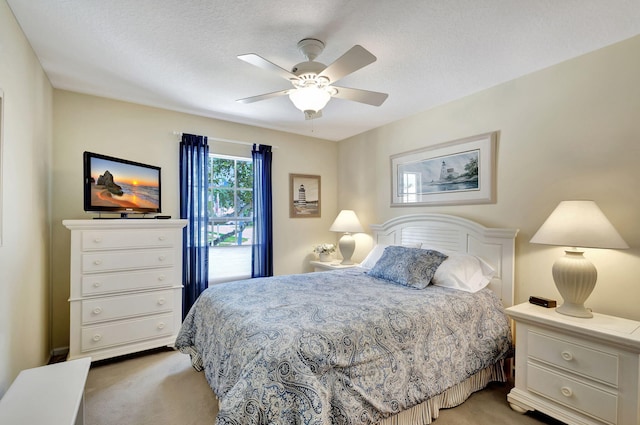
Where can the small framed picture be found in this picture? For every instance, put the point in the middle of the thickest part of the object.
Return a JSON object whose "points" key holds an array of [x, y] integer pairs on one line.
{"points": [[304, 196]]}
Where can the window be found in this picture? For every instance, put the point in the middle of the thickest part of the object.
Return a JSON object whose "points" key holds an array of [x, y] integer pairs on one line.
{"points": [[411, 183], [230, 217]]}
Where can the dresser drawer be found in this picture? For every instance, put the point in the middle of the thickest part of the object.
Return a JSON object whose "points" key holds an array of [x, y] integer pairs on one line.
{"points": [[109, 308], [126, 260], [588, 362], [93, 240], [570, 392], [128, 331], [105, 283]]}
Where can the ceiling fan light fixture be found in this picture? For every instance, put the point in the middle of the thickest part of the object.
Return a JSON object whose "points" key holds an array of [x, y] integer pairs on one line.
{"points": [[312, 80], [310, 98]]}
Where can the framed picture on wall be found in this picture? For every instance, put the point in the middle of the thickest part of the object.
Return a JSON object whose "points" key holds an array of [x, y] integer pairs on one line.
{"points": [[453, 173], [304, 196]]}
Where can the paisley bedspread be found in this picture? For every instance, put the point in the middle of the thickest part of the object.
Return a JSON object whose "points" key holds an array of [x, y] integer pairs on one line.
{"points": [[337, 347]]}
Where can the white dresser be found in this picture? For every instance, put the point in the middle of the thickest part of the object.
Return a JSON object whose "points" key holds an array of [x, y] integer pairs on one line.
{"points": [[580, 371], [126, 285]]}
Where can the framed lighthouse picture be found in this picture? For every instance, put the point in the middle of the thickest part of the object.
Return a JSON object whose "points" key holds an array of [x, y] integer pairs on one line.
{"points": [[452, 173], [304, 196]]}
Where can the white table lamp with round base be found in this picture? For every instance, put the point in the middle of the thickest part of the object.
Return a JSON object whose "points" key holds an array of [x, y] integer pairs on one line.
{"points": [[347, 222], [577, 224]]}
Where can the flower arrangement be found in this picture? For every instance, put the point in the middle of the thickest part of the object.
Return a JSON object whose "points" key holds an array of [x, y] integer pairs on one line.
{"points": [[325, 248]]}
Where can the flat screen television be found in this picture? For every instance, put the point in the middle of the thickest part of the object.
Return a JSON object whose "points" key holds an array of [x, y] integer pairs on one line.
{"points": [[115, 185]]}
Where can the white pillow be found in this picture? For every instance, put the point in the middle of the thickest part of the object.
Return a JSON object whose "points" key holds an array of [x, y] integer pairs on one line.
{"points": [[462, 271], [374, 255]]}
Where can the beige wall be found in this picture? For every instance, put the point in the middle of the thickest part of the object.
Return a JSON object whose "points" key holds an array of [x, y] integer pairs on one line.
{"points": [[25, 163], [146, 135], [571, 131]]}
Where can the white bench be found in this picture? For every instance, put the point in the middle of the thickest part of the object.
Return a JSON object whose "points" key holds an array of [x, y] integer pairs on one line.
{"points": [[51, 395]]}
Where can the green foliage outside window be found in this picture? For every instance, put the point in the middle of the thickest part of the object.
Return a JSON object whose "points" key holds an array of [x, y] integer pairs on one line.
{"points": [[230, 201]]}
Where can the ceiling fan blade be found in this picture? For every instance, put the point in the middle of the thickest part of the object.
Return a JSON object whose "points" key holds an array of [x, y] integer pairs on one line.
{"points": [[357, 57], [261, 62], [264, 96], [363, 96]]}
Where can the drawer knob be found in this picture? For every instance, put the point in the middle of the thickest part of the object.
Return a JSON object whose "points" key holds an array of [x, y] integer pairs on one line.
{"points": [[566, 391], [161, 301], [97, 262], [97, 337], [161, 258], [96, 284], [161, 277], [161, 325], [162, 237], [97, 240], [567, 355], [97, 310]]}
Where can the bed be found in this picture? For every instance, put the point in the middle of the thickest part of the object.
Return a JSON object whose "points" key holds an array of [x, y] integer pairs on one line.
{"points": [[364, 345]]}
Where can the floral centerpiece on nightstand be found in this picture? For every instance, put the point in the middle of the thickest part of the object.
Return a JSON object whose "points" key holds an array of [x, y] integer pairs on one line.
{"points": [[324, 251]]}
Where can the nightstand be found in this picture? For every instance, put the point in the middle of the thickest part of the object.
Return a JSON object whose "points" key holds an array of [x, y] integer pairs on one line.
{"points": [[579, 371], [323, 266]]}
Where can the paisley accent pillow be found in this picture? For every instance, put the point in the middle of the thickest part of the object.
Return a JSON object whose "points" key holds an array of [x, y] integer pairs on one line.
{"points": [[374, 255], [413, 267]]}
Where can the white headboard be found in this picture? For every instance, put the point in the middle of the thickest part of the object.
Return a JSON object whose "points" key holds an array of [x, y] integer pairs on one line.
{"points": [[494, 245]]}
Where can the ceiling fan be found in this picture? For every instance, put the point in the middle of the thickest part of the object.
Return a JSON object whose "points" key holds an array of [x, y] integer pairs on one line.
{"points": [[313, 81]]}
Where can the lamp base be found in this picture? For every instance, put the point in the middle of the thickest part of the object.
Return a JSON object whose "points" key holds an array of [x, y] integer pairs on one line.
{"points": [[575, 310], [347, 245], [575, 278]]}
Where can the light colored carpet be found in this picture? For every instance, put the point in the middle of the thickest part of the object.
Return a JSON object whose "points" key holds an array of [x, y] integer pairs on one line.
{"points": [[160, 387]]}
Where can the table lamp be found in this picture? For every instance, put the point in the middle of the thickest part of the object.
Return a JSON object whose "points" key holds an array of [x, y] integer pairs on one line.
{"points": [[347, 222], [577, 224]]}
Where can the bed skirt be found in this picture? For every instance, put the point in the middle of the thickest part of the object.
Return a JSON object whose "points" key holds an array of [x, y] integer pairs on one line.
{"points": [[424, 413]]}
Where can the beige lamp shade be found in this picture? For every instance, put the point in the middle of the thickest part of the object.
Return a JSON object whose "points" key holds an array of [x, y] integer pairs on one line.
{"points": [[577, 224], [347, 222]]}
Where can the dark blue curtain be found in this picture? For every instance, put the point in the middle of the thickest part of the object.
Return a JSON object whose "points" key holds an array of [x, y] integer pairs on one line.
{"points": [[262, 254], [194, 154]]}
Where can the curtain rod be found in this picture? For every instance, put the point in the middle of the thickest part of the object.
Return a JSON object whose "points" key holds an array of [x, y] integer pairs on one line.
{"points": [[216, 139]]}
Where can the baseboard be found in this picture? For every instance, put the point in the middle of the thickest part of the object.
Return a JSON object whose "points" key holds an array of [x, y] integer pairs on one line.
{"points": [[59, 351], [58, 355]]}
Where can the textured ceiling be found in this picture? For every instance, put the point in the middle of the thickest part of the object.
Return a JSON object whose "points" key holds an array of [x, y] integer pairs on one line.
{"points": [[181, 54]]}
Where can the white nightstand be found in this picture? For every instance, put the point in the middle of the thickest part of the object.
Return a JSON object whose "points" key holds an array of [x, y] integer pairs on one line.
{"points": [[580, 371], [322, 266]]}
